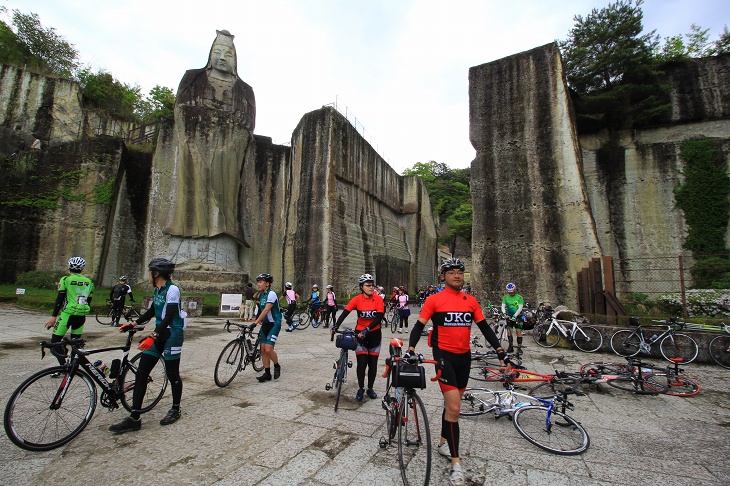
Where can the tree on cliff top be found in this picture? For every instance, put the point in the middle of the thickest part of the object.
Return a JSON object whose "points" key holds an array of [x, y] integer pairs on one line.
{"points": [[42, 49], [449, 193]]}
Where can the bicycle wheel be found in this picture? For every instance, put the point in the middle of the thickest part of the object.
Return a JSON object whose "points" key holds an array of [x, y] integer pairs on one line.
{"points": [[34, 424], [596, 368], [414, 442], [719, 350], [549, 389], [546, 336], [257, 364], [229, 363], [340, 376], [634, 384], [679, 345], [500, 330], [625, 343], [302, 319], [394, 320], [477, 401], [557, 433], [156, 384], [104, 316], [588, 339], [671, 384]]}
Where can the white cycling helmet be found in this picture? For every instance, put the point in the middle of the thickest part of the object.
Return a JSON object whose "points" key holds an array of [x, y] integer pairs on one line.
{"points": [[288, 285], [76, 263]]}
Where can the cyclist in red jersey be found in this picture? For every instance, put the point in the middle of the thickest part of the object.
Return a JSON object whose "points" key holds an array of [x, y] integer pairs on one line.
{"points": [[452, 313], [370, 311]]}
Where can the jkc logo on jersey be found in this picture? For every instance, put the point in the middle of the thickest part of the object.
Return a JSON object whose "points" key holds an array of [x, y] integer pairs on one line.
{"points": [[458, 319], [368, 314]]}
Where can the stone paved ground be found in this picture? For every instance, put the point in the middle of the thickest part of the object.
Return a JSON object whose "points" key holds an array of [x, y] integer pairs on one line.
{"points": [[286, 432]]}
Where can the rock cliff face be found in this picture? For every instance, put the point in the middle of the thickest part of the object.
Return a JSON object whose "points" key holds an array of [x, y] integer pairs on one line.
{"points": [[349, 213], [532, 221], [699, 88]]}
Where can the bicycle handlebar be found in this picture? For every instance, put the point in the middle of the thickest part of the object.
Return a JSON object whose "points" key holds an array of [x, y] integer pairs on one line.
{"points": [[248, 327], [345, 330]]}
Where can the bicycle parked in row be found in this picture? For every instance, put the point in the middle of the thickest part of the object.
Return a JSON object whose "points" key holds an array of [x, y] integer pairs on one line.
{"points": [[53, 406], [549, 332], [405, 416], [719, 347], [238, 353], [672, 344], [346, 341]]}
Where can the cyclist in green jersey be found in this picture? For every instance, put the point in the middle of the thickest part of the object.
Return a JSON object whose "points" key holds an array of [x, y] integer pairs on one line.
{"points": [[512, 305], [73, 303]]}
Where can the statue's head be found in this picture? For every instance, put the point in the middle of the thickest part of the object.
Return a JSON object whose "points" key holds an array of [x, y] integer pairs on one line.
{"points": [[222, 55]]}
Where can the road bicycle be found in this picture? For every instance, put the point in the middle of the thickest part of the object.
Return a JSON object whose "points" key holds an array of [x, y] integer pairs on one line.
{"points": [[237, 354], [628, 342], [346, 341], [105, 316], [394, 321], [543, 422], [405, 416], [53, 406], [548, 333], [669, 381], [301, 317], [481, 359], [501, 374], [498, 323], [719, 347]]}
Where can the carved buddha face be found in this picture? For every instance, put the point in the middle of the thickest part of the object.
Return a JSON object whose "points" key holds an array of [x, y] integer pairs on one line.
{"points": [[223, 59]]}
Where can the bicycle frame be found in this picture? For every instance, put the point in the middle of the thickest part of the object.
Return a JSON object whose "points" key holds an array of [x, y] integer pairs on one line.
{"points": [[245, 335]]}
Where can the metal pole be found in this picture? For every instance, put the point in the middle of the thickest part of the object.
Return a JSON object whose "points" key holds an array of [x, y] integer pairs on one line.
{"points": [[681, 288]]}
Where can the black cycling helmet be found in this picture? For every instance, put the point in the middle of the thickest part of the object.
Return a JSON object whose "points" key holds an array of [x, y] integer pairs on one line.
{"points": [[123, 279], [450, 264], [267, 277], [162, 265]]}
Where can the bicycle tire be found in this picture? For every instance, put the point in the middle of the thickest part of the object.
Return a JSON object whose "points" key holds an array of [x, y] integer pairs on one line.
{"points": [[394, 322], [719, 349], [679, 345], [229, 363], [30, 422], [589, 340], [546, 337], [391, 417], [671, 384], [559, 434], [256, 362], [414, 442], [153, 393], [549, 389], [597, 368], [104, 317], [476, 401], [633, 384], [340, 374], [625, 343], [302, 318]]}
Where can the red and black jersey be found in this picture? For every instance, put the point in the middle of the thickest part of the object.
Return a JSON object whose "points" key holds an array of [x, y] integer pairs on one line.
{"points": [[452, 313], [366, 308]]}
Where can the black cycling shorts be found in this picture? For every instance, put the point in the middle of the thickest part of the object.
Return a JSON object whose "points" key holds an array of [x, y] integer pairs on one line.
{"points": [[455, 369]]}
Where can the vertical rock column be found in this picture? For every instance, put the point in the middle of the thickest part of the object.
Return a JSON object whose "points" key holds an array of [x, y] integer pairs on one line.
{"points": [[532, 219]]}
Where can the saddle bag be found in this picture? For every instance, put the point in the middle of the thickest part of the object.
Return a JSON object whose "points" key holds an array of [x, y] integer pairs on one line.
{"points": [[408, 375], [346, 341]]}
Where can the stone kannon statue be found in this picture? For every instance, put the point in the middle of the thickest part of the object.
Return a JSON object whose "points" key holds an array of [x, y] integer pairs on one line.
{"points": [[215, 114]]}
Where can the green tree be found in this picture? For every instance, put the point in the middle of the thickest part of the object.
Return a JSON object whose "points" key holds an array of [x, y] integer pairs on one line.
{"points": [[450, 197], [722, 44], [697, 45], [158, 105], [102, 91], [12, 50], [610, 65], [46, 51]]}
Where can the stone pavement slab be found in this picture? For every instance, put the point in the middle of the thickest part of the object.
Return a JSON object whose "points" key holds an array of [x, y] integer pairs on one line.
{"points": [[285, 432]]}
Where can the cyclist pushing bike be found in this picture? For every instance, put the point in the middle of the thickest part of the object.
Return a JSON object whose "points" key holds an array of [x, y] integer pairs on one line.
{"points": [[165, 342], [512, 305], [452, 313], [291, 302], [269, 316], [117, 297], [315, 304], [370, 311]]}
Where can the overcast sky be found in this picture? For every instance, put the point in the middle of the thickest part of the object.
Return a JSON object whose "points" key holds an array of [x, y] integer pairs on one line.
{"points": [[399, 66]]}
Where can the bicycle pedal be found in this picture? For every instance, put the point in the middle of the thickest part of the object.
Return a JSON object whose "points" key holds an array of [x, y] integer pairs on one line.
{"points": [[328, 387], [349, 364], [383, 443]]}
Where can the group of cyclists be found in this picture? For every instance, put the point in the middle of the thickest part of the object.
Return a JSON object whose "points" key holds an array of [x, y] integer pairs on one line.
{"points": [[451, 311]]}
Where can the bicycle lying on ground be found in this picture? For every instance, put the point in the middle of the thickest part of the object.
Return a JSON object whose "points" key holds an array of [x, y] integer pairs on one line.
{"points": [[237, 354], [647, 379], [542, 422], [346, 341], [548, 333], [719, 347], [54, 405], [105, 316], [628, 342], [405, 416]]}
